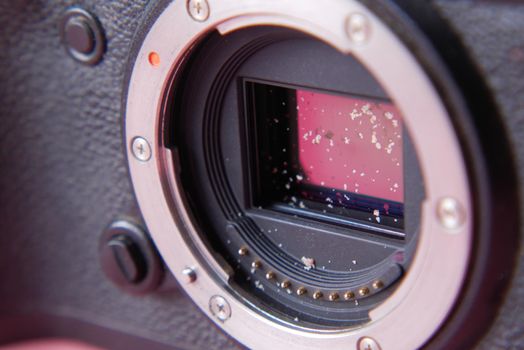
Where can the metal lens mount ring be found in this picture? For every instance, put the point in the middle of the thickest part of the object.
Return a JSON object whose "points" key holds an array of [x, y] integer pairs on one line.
{"points": [[430, 287]]}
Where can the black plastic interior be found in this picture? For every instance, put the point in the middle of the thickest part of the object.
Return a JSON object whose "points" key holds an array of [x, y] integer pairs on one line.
{"points": [[211, 132]]}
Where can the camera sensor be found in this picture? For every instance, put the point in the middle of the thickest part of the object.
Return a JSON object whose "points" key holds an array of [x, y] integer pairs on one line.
{"points": [[325, 155]]}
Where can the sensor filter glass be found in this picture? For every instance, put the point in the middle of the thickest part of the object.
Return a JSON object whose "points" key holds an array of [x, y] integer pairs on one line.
{"points": [[325, 153]]}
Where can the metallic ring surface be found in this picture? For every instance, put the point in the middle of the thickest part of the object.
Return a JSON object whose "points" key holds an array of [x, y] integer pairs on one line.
{"points": [[425, 297]]}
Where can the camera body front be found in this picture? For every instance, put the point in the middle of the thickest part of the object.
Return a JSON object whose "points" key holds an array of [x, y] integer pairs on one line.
{"points": [[345, 174]]}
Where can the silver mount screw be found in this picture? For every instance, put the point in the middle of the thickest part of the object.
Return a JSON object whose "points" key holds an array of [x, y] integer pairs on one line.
{"points": [[198, 9], [190, 275], [358, 28], [141, 149], [450, 213], [367, 343], [220, 308]]}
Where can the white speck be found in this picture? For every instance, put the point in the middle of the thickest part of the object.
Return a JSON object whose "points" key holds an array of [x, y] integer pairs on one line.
{"points": [[389, 147], [376, 212], [360, 135], [322, 183], [280, 245], [388, 115], [301, 205], [395, 185], [287, 186], [356, 302], [317, 139], [355, 114], [345, 187], [309, 263], [300, 177], [346, 140], [362, 174], [395, 123], [354, 171], [378, 219], [354, 262], [259, 285], [374, 137], [378, 145], [366, 109]]}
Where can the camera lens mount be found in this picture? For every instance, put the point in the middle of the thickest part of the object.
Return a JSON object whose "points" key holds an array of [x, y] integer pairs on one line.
{"points": [[163, 99]]}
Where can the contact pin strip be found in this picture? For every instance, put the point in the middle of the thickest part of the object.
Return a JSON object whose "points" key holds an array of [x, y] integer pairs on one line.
{"points": [[301, 291]]}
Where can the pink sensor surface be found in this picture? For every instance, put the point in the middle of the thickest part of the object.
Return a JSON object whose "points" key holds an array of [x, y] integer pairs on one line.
{"points": [[351, 144]]}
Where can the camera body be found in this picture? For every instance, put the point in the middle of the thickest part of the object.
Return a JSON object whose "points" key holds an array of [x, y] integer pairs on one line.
{"points": [[65, 176]]}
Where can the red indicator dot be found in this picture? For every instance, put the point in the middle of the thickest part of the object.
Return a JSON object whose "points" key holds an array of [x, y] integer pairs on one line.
{"points": [[154, 59]]}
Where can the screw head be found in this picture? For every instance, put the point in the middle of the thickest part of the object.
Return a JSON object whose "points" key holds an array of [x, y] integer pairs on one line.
{"points": [[141, 149], [198, 9], [450, 213], [189, 275], [367, 343], [358, 28], [220, 308]]}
